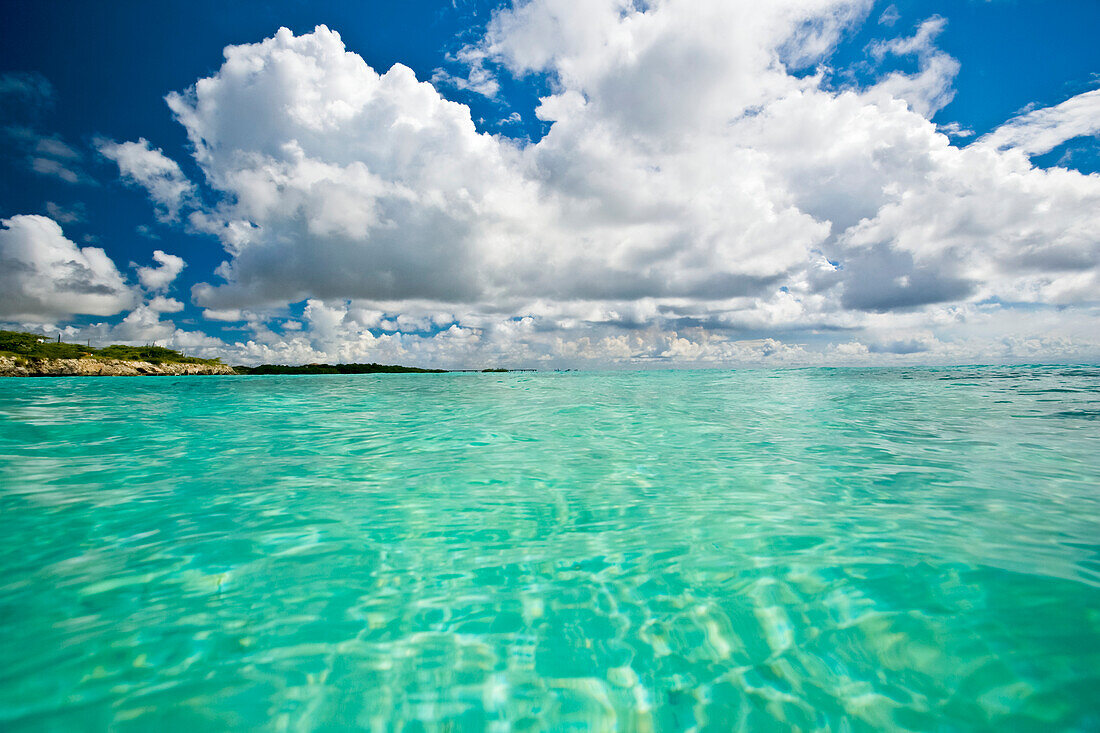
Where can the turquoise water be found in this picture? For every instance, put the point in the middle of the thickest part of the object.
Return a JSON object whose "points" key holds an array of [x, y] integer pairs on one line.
{"points": [[768, 550]]}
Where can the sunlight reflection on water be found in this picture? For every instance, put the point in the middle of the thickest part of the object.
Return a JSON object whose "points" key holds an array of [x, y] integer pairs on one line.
{"points": [[833, 549]]}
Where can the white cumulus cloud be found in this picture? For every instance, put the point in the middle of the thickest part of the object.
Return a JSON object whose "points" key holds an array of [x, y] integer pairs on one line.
{"points": [[694, 200], [161, 304], [142, 165], [44, 276], [163, 274]]}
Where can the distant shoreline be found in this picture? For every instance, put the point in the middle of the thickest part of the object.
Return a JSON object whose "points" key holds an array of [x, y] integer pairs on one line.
{"points": [[32, 366], [275, 369], [24, 354]]}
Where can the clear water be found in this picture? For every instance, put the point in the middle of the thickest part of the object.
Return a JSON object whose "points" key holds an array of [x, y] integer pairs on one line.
{"points": [[811, 549]]}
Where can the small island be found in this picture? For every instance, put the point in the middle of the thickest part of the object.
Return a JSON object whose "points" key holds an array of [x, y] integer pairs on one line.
{"points": [[25, 354]]}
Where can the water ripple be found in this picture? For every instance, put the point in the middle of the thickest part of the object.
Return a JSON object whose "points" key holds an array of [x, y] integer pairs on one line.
{"points": [[802, 549]]}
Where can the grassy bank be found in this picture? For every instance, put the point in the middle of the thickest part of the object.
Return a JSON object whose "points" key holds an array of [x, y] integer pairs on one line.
{"points": [[22, 345]]}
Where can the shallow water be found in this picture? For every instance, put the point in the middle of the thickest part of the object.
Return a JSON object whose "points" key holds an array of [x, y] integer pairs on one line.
{"points": [[813, 549]]}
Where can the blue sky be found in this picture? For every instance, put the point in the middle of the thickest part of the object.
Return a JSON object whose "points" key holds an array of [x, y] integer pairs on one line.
{"points": [[79, 75]]}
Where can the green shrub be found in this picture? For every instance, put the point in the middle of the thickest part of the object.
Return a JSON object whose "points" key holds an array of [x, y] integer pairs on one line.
{"points": [[20, 342], [152, 354], [54, 350], [37, 346]]}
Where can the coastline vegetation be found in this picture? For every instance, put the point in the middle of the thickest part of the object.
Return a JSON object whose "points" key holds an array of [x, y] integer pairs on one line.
{"points": [[23, 345]]}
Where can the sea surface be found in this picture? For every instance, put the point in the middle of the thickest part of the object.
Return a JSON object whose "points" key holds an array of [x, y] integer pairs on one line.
{"points": [[815, 549]]}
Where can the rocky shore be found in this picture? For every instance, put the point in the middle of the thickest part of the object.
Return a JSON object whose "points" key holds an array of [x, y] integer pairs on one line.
{"points": [[44, 367]]}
